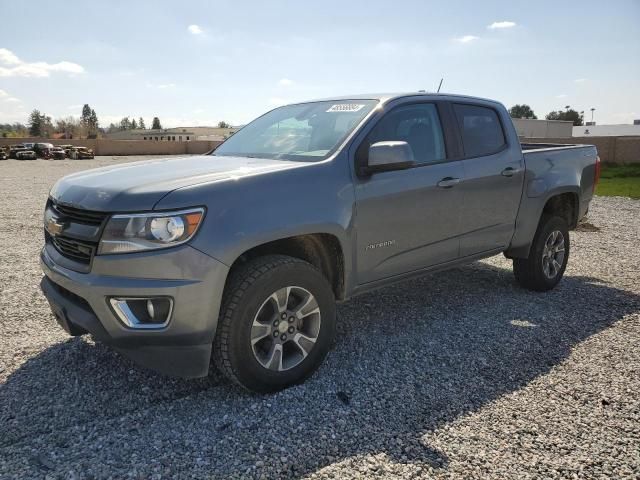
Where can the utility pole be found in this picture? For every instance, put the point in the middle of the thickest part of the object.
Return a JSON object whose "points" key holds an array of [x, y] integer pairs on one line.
{"points": [[592, 110]]}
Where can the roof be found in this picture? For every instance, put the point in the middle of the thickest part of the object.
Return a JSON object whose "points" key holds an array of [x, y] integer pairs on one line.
{"points": [[386, 97]]}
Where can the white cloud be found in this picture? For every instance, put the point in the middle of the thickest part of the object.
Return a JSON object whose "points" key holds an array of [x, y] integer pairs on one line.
{"points": [[285, 82], [7, 57], [75, 107], [195, 30], [580, 80], [562, 95], [505, 24], [466, 39], [5, 97], [12, 66]]}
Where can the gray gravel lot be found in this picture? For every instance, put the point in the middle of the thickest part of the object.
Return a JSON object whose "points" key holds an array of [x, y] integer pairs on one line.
{"points": [[457, 375]]}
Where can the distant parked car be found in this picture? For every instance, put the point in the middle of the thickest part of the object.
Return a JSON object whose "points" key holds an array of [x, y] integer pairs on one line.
{"points": [[26, 154], [58, 153], [81, 153], [67, 150], [43, 150], [14, 149], [3, 154]]}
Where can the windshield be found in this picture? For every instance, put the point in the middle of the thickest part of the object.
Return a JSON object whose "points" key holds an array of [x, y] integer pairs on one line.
{"points": [[304, 132]]}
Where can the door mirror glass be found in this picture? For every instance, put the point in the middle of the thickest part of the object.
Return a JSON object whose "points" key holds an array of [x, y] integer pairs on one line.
{"points": [[392, 155]]}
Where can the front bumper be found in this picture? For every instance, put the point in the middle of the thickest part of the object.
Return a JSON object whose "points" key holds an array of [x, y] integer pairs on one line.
{"points": [[194, 280]]}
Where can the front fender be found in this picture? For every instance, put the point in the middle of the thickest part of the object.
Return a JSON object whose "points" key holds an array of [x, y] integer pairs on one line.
{"points": [[250, 211]]}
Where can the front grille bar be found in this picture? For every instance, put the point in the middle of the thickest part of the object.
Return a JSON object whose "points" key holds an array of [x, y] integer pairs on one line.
{"points": [[81, 251]]}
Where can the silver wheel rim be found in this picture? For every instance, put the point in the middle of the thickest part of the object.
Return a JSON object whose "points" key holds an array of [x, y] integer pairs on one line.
{"points": [[553, 254], [285, 329]]}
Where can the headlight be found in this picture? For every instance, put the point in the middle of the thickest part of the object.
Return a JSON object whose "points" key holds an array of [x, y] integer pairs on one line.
{"points": [[149, 231]]}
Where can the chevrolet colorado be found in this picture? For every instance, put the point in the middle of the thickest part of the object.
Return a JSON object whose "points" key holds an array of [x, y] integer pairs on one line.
{"points": [[241, 254]]}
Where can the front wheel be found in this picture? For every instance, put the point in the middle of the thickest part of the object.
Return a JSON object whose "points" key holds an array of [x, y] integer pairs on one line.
{"points": [[548, 257], [277, 323]]}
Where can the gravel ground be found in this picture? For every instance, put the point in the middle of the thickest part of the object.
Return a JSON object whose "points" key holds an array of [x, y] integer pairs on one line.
{"points": [[457, 375]]}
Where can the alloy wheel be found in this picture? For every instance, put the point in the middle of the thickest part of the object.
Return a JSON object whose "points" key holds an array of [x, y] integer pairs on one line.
{"points": [[553, 254], [285, 328]]}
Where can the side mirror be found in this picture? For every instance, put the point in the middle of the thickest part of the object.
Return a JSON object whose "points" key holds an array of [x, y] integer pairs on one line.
{"points": [[386, 156]]}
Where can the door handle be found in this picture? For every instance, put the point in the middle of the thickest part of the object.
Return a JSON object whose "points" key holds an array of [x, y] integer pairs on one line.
{"points": [[509, 172], [448, 182]]}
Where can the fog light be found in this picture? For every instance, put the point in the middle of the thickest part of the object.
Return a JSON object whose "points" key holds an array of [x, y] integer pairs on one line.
{"points": [[143, 313]]}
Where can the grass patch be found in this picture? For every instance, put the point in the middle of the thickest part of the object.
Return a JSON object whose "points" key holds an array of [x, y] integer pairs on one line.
{"points": [[619, 180]]}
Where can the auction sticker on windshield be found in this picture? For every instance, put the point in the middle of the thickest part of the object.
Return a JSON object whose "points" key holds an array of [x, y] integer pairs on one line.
{"points": [[346, 107]]}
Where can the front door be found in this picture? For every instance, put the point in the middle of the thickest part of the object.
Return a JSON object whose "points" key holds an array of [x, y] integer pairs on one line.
{"points": [[409, 219]]}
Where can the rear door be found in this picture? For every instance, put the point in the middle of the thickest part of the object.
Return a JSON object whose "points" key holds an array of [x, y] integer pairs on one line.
{"points": [[408, 219], [494, 175]]}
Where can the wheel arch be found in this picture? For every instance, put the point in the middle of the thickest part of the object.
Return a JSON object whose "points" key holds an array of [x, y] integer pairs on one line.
{"points": [[564, 202], [322, 250]]}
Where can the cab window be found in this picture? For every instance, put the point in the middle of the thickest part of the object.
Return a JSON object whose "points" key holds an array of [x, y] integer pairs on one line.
{"points": [[418, 125], [480, 129]]}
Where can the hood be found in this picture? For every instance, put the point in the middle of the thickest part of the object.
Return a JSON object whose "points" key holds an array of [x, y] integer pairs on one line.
{"points": [[139, 186]]}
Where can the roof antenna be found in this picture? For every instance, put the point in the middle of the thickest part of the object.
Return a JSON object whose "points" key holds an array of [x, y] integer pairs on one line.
{"points": [[440, 85]]}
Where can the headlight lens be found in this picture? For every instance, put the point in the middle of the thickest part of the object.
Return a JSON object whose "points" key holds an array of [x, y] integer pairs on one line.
{"points": [[149, 231]]}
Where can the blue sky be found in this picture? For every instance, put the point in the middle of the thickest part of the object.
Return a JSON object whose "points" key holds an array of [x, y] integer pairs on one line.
{"points": [[198, 62]]}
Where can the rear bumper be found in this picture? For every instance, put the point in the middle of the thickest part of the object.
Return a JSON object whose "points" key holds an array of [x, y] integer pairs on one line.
{"points": [[182, 348]]}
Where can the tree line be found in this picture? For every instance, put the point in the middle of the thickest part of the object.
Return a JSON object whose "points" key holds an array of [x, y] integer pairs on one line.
{"points": [[132, 124], [86, 125], [568, 115]]}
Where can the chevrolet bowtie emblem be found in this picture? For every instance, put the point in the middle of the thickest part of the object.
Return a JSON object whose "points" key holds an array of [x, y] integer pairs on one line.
{"points": [[54, 227]]}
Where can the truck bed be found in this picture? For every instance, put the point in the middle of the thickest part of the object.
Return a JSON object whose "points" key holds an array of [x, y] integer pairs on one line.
{"points": [[529, 147]]}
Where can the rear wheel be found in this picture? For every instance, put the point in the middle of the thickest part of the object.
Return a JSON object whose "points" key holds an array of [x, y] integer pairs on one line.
{"points": [[548, 257], [276, 325]]}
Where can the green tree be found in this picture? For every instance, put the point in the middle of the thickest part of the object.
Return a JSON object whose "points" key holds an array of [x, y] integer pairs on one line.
{"points": [[86, 114], [134, 124], [156, 125], [223, 124], [125, 124], [141, 124], [93, 124], [69, 126], [9, 130], [568, 115], [522, 111], [36, 123], [89, 121]]}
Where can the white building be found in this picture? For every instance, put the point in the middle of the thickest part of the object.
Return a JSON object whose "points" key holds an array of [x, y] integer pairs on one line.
{"points": [[530, 128], [621, 130], [177, 134]]}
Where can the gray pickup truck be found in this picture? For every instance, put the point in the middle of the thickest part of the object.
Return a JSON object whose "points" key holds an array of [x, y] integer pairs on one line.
{"points": [[240, 255]]}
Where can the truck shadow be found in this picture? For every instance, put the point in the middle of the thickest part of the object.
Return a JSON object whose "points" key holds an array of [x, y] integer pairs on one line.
{"points": [[407, 359]]}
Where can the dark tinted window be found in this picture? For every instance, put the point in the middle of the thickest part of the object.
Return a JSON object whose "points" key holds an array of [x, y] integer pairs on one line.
{"points": [[418, 125], [481, 130]]}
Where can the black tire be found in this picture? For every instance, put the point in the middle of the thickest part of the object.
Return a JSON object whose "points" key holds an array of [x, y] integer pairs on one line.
{"points": [[248, 288], [530, 272]]}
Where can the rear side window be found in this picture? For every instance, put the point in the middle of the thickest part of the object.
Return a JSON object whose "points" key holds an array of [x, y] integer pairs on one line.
{"points": [[481, 130]]}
